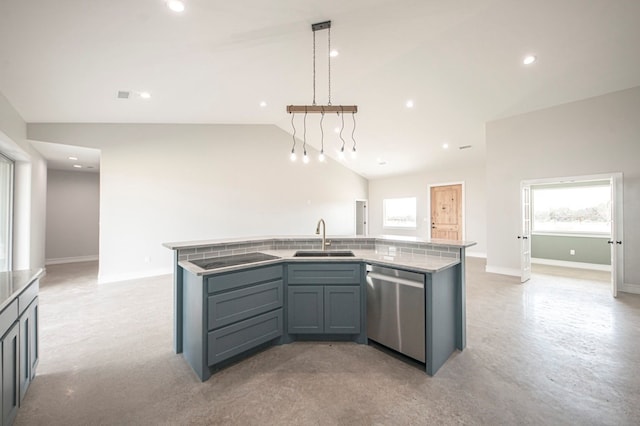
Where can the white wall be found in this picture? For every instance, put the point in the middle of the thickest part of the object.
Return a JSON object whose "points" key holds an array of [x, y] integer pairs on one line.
{"points": [[163, 183], [73, 202], [417, 185], [593, 136], [30, 185]]}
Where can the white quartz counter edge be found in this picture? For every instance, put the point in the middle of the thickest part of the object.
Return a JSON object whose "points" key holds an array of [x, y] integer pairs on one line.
{"points": [[380, 239], [426, 264]]}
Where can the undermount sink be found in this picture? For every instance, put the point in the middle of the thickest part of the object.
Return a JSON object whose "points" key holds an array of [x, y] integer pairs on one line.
{"points": [[318, 253]]}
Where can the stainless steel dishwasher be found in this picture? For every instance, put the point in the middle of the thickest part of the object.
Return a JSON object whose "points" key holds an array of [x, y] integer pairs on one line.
{"points": [[395, 310]]}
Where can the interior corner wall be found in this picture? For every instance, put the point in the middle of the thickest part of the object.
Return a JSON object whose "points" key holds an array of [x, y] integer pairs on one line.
{"points": [[593, 136], [30, 183], [165, 183], [73, 213], [417, 185]]}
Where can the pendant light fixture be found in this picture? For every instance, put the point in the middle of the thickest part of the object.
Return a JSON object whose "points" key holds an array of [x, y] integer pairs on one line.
{"points": [[340, 110]]}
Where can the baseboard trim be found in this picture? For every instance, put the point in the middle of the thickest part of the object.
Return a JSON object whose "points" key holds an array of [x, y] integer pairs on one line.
{"points": [[503, 270], [76, 259], [476, 254], [630, 288], [567, 264], [113, 278]]}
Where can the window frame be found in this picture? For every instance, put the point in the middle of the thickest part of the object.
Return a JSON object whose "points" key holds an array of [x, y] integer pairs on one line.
{"points": [[565, 232], [395, 225]]}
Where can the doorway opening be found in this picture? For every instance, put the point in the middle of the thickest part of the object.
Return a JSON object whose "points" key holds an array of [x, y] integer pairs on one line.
{"points": [[446, 207], [572, 226], [361, 218]]}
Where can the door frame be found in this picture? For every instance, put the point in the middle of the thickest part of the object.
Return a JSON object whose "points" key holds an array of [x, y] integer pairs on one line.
{"points": [[617, 205], [463, 207], [366, 216]]}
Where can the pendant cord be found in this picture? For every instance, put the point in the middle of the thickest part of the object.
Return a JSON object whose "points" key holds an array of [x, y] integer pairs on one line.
{"points": [[293, 148], [304, 134], [341, 129], [321, 134], [353, 131], [329, 55], [314, 68]]}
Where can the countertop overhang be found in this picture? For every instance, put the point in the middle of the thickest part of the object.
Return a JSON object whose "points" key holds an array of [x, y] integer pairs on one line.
{"points": [[426, 264], [383, 239], [13, 282]]}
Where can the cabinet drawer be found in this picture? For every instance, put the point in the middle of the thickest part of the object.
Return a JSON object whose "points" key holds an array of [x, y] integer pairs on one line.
{"points": [[236, 305], [233, 280], [27, 296], [323, 273], [239, 337], [8, 316]]}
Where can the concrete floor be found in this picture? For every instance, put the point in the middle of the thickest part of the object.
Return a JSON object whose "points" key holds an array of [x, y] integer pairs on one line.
{"points": [[557, 350]]}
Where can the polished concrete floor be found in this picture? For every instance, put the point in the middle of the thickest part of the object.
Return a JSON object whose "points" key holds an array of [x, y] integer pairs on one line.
{"points": [[557, 350]]}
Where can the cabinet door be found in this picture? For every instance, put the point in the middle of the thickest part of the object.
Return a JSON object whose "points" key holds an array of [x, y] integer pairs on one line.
{"points": [[10, 379], [26, 329], [34, 343], [342, 309], [305, 309]]}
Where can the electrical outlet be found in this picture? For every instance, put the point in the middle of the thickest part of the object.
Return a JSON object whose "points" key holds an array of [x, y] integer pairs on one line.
{"points": [[572, 252]]}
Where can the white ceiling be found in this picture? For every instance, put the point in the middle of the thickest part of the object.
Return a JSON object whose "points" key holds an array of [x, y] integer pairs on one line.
{"points": [[460, 61]]}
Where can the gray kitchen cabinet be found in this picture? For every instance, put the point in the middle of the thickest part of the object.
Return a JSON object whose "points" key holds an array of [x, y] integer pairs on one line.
{"points": [[323, 309], [305, 309], [228, 314], [10, 372], [29, 350], [324, 298], [342, 309]]}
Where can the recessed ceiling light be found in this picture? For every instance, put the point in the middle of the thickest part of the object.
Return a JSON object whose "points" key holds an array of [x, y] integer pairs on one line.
{"points": [[445, 146], [409, 103], [145, 95], [77, 166], [176, 5], [73, 158], [263, 104], [334, 53], [528, 60]]}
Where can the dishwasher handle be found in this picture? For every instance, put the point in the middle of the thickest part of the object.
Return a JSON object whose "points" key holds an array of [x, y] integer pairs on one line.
{"points": [[397, 280]]}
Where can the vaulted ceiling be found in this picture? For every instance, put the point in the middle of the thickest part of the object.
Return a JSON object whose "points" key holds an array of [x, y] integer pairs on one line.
{"points": [[459, 61]]}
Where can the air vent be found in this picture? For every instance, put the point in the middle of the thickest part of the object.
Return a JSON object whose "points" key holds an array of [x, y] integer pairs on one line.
{"points": [[122, 94], [465, 147]]}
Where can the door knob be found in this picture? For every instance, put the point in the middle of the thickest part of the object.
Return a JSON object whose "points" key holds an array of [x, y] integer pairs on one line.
{"points": [[618, 242], [609, 242], [519, 237]]}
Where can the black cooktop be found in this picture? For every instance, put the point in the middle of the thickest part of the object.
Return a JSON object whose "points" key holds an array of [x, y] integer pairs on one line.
{"points": [[236, 259]]}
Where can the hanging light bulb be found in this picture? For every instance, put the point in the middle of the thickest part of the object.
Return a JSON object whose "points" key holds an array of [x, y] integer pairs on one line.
{"points": [[353, 152], [293, 155], [305, 157], [341, 154], [321, 156]]}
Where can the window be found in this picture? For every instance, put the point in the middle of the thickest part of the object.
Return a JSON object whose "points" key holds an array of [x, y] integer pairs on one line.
{"points": [[399, 212], [578, 209], [6, 211]]}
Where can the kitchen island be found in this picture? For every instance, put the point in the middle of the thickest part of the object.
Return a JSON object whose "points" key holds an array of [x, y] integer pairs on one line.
{"points": [[233, 297]]}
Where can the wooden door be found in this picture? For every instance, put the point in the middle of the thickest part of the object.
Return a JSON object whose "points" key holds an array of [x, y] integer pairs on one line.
{"points": [[446, 212]]}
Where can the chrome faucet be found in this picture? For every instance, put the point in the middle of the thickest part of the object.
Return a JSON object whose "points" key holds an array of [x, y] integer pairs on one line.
{"points": [[324, 236]]}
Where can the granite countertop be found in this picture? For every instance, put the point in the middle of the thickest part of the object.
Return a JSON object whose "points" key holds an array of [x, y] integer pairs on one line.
{"points": [[13, 282], [380, 239], [418, 263]]}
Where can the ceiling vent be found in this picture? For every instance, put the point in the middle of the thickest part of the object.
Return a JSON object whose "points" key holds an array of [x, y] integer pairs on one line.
{"points": [[123, 94]]}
